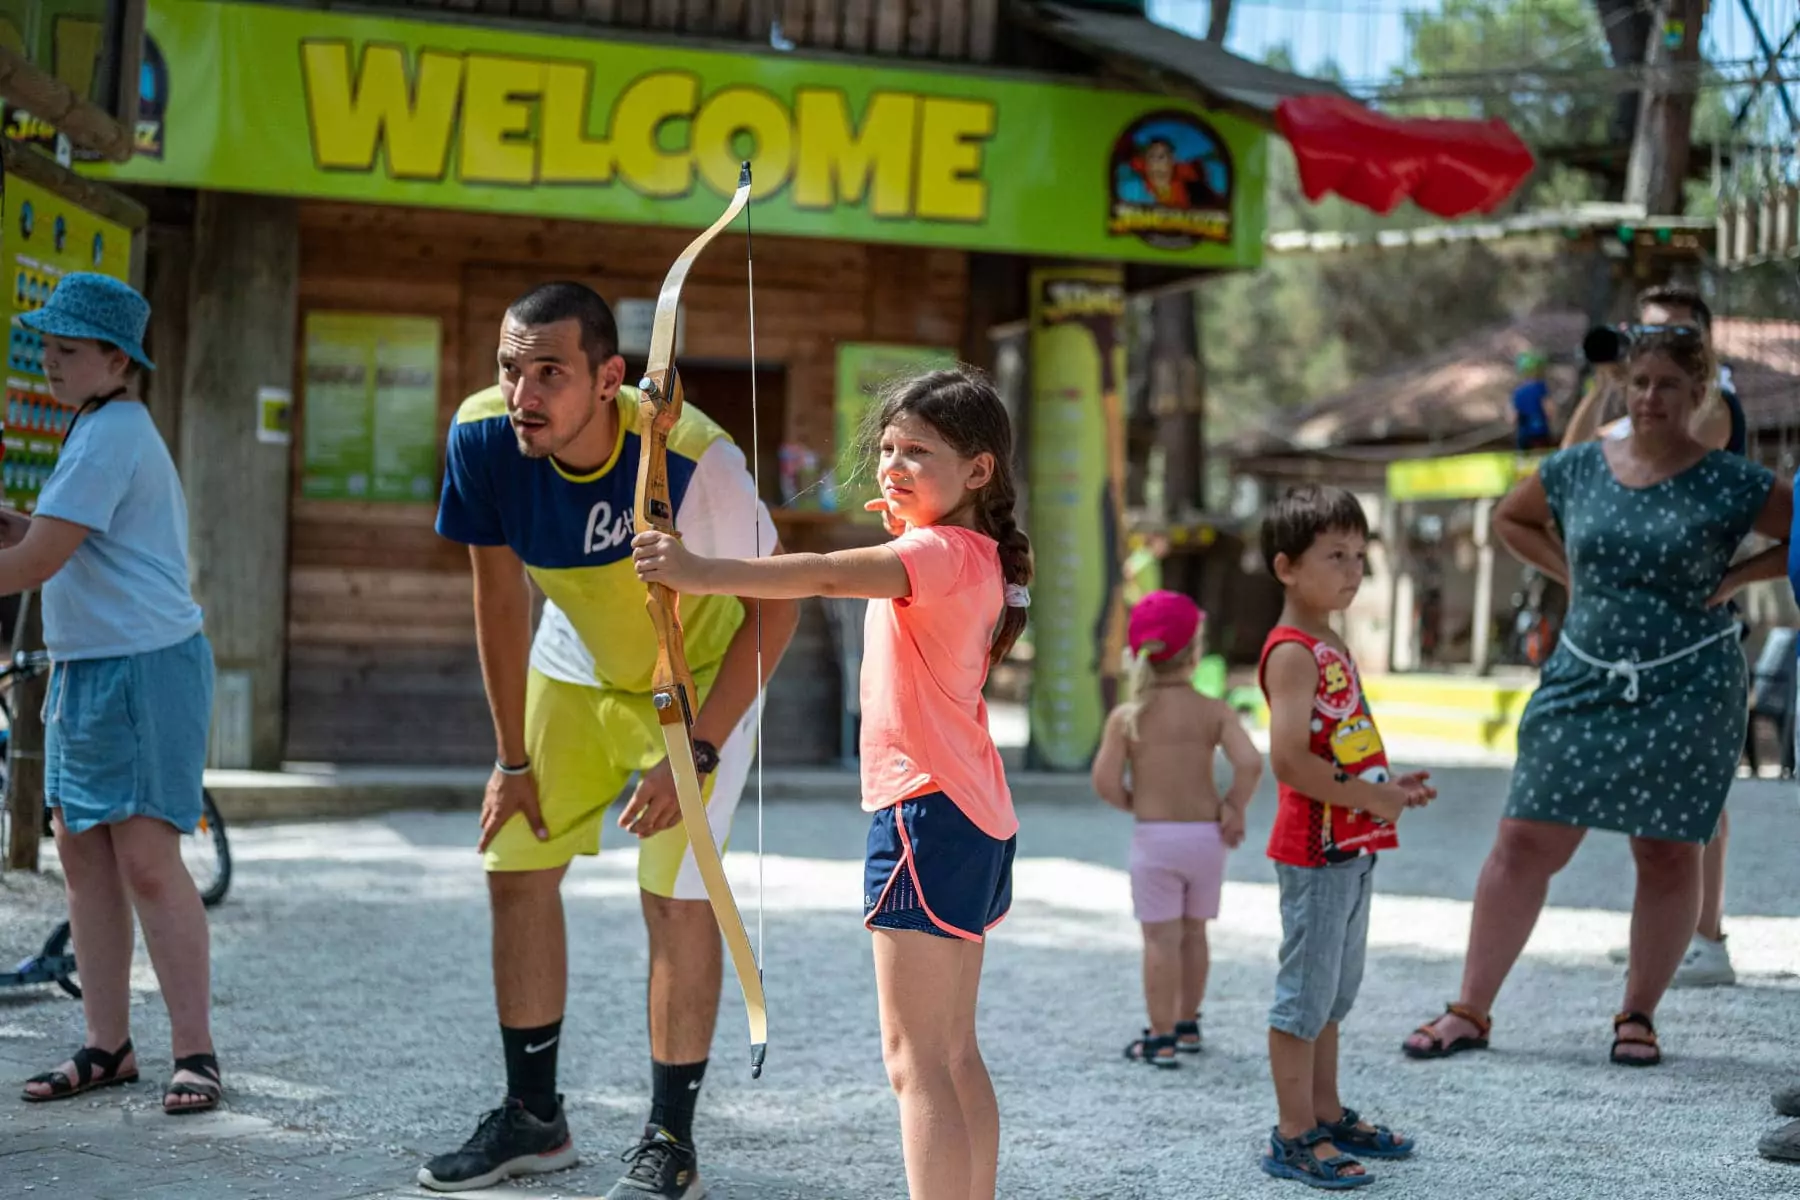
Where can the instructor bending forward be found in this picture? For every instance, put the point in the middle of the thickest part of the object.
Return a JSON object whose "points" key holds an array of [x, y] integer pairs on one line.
{"points": [[540, 479]]}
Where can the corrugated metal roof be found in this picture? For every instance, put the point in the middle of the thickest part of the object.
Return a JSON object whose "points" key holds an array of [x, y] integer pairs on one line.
{"points": [[1463, 394], [1167, 60]]}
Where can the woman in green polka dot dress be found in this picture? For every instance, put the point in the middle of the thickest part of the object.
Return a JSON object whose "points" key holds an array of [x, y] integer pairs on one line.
{"points": [[1638, 721]]}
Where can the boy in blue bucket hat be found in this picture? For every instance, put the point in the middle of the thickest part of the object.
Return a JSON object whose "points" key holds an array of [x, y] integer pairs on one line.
{"points": [[130, 697]]}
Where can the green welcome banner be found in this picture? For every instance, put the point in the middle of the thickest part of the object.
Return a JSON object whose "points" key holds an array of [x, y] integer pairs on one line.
{"points": [[316, 103]]}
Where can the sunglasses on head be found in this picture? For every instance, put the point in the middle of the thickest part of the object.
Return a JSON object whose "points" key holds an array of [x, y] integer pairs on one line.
{"points": [[1679, 333]]}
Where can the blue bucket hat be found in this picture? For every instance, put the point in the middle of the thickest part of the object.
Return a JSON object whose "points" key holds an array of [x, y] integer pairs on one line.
{"points": [[98, 308]]}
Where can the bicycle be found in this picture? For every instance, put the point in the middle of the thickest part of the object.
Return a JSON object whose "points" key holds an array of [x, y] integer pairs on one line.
{"points": [[206, 852]]}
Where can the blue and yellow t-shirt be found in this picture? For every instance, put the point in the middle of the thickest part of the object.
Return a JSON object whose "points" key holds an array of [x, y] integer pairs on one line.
{"points": [[573, 532]]}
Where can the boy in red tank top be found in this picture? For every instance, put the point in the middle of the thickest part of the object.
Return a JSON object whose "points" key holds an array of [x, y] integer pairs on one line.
{"points": [[1339, 803]]}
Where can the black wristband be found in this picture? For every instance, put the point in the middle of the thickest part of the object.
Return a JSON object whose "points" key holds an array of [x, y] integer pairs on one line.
{"points": [[706, 758]]}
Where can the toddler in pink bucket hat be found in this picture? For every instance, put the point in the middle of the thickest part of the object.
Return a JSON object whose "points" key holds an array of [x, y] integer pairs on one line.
{"points": [[1164, 623]]}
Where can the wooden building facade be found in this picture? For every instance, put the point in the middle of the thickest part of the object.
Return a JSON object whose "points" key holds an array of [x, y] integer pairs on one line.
{"points": [[430, 165]]}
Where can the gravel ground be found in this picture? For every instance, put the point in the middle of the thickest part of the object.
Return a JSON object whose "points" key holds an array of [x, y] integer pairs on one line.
{"points": [[355, 1024]]}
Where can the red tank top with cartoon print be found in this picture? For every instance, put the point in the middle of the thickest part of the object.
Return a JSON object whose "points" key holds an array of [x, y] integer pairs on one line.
{"points": [[1308, 833]]}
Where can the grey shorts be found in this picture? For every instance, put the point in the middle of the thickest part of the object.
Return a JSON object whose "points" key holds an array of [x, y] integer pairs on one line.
{"points": [[1324, 936]]}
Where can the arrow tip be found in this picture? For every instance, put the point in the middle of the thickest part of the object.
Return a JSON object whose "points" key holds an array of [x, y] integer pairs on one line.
{"points": [[744, 174], [758, 1052]]}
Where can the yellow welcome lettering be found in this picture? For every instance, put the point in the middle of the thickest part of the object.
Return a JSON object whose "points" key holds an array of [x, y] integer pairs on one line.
{"points": [[496, 119], [950, 137], [353, 114], [736, 110], [836, 164], [566, 153], [645, 105]]}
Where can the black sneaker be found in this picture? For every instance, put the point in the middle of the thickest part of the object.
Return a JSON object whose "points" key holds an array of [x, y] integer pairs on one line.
{"points": [[509, 1141], [661, 1167]]}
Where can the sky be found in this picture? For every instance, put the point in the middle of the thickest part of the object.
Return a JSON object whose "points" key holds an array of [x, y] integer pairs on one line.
{"points": [[1367, 38]]}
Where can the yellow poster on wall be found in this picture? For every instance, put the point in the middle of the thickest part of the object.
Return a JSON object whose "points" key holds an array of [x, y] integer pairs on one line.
{"points": [[43, 237]]}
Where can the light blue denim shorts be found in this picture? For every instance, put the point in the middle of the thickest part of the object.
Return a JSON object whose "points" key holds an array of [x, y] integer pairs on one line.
{"points": [[1324, 937], [126, 737]]}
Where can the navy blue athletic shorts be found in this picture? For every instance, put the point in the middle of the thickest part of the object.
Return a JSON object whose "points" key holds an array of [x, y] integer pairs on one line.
{"points": [[930, 869]]}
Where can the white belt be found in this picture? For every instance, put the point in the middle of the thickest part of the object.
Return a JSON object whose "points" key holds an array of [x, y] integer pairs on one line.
{"points": [[1630, 669]]}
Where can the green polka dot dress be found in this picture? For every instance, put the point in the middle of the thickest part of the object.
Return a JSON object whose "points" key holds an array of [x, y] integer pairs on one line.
{"points": [[1639, 746]]}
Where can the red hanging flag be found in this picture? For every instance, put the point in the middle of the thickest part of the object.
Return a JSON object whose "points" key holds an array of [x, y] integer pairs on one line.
{"points": [[1450, 168]]}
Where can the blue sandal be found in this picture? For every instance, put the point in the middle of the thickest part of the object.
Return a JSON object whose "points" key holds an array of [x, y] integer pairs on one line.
{"points": [[1297, 1158], [1379, 1142]]}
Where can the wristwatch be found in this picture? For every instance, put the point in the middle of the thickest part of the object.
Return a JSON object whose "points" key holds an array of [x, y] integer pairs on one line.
{"points": [[706, 758]]}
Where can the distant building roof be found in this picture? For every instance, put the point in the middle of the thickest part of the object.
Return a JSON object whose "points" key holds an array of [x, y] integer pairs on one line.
{"points": [[1460, 399], [1166, 60]]}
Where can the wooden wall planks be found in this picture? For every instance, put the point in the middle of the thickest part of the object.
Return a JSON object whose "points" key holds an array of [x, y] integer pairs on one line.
{"points": [[381, 654]]}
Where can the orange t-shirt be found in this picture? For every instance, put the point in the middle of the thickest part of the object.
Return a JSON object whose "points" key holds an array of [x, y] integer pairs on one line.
{"points": [[925, 659]]}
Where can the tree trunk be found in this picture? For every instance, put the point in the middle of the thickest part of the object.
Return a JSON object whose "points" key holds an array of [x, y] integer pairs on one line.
{"points": [[1627, 28], [25, 747], [1659, 150]]}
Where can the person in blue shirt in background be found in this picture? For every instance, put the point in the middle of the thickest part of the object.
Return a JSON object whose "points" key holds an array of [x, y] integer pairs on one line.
{"points": [[1532, 410]]}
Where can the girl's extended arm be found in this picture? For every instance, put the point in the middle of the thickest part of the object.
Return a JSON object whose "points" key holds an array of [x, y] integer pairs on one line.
{"points": [[874, 572], [1109, 763], [1523, 521]]}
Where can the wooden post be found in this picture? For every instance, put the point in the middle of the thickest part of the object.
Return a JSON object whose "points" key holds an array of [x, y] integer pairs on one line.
{"points": [[170, 251], [1175, 401], [242, 324], [25, 747], [1481, 630], [1659, 151]]}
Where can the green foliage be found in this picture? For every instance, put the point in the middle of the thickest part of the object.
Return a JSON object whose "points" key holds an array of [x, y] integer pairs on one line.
{"points": [[1304, 326]]}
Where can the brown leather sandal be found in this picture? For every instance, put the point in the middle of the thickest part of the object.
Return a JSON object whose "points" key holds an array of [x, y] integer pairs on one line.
{"points": [[1439, 1048], [1634, 1039]]}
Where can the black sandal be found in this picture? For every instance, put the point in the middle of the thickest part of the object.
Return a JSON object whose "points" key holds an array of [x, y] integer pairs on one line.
{"points": [[94, 1068], [1157, 1051], [1648, 1038], [1188, 1039], [211, 1093]]}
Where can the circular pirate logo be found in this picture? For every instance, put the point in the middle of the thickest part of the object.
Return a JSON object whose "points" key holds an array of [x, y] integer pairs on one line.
{"points": [[1171, 182]]}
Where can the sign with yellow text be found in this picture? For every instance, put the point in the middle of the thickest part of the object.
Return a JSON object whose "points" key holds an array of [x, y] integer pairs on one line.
{"points": [[43, 237], [1459, 477], [305, 102]]}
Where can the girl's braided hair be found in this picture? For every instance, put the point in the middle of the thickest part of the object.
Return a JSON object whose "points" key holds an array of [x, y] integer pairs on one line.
{"points": [[962, 405]]}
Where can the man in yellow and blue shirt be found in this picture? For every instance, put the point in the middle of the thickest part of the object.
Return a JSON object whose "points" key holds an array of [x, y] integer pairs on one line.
{"points": [[540, 479]]}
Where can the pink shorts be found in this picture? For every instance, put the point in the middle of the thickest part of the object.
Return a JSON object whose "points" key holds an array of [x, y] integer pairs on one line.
{"points": [[1177, 870]]}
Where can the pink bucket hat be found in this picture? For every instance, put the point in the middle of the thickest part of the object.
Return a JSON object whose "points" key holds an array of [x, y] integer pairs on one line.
{"points": [[1165, 622]]}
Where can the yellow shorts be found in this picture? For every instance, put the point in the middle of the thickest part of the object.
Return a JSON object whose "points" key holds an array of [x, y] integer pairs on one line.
{"points": [[585, 744]]}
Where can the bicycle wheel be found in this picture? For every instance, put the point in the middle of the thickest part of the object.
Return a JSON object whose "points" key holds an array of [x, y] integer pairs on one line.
{"points": [[207, 853], [54, 948]]}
